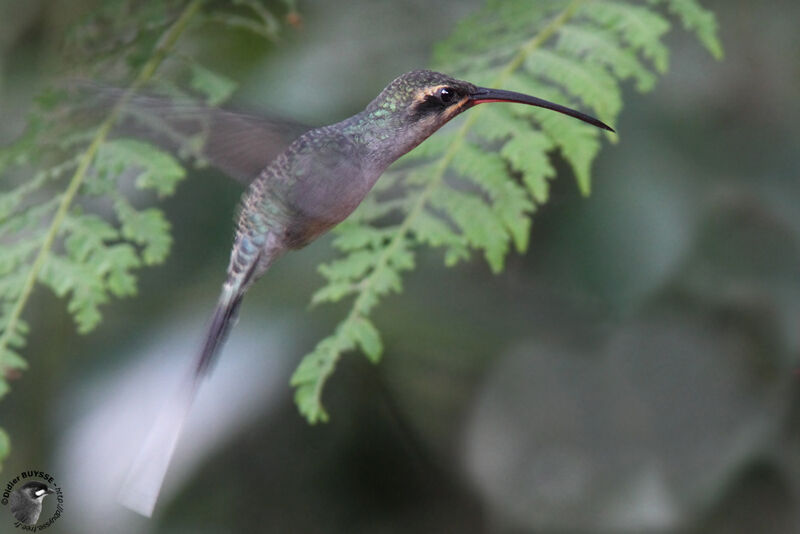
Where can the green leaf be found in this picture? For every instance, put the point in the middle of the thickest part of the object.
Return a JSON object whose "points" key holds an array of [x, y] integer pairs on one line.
{"points": [[5, 441], [366, 336], [216, 87], [85, 235], [527, 154], [314, 370], [350, 267], [698, 20], [148, 228], [509, 202], [353, 236], [589, 82], [436, 232], [479, 225], [333, 292], [601, 46], [13, 361], [83, 282], [639, 27], [118, 262], [156, 169]]}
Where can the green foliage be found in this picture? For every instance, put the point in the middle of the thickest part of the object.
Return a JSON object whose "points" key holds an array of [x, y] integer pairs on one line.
{"points": [[64, 220], [469, 190], [156, 169], [216, 87], [5, 444]]}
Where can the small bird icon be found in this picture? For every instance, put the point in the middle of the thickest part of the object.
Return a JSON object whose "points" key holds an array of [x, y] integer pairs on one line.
{"points": [[25, 502], [307, 189]]}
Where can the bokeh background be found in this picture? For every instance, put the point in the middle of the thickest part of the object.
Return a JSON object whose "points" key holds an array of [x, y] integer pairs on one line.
{"points": [[635, 371]]}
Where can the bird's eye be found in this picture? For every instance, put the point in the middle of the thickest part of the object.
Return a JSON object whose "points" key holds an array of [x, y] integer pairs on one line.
{"points": [[446, 95]]}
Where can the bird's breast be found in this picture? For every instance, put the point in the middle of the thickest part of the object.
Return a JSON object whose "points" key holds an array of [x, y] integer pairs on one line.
{"points": [[318, 183], [321, 202]]}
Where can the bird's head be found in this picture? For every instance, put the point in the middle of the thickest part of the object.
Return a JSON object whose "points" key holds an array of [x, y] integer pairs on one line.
{"points": [[426, 100], [35, 490]]}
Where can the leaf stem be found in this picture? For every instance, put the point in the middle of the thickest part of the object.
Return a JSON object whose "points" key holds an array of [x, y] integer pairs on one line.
{"points": [[163, 47]]}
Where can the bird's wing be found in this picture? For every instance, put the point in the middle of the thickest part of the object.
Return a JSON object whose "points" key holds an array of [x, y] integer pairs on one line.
{"points": [[240, 144]]}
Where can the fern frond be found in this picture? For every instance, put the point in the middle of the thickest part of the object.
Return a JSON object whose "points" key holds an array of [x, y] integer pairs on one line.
{"points": [[90, 266], [475, 188], [46, 236]]}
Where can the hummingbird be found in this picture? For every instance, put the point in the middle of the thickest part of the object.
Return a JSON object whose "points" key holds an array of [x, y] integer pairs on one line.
{"points": [[325, 174], [306, 190]]}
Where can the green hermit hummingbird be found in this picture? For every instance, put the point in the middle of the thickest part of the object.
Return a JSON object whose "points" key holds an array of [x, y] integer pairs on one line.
{"points": [[309, 188], [325, 174]]}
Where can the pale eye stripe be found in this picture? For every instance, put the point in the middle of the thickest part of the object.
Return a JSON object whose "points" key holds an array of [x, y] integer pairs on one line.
{"points": [[427, 91]]}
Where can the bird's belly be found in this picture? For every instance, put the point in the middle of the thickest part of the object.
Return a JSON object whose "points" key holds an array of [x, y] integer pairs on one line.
{"points": [[319, 206]]}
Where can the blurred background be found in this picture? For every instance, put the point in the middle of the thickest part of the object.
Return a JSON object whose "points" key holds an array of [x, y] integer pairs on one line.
{"points": [[635, 371]]}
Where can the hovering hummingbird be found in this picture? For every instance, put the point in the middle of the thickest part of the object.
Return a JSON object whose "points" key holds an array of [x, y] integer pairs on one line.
{"points": [[306, 190]]}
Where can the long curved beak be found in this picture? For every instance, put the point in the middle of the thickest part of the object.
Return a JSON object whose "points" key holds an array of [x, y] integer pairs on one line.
{"points": [[484, 95]]}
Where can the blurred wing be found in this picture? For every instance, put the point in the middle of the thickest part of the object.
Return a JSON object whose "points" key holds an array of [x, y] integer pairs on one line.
{"points": [[240, 144]]}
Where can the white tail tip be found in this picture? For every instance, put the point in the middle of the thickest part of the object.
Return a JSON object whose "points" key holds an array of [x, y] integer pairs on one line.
{"points": [[142, 485]]}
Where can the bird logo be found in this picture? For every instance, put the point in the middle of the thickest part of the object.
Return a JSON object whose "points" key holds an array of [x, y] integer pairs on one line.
{"points": [[25, 502]]}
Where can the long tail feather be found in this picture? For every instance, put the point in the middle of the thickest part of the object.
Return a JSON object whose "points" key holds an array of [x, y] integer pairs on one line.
{"points": [[143, 483], [221, 323]]}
